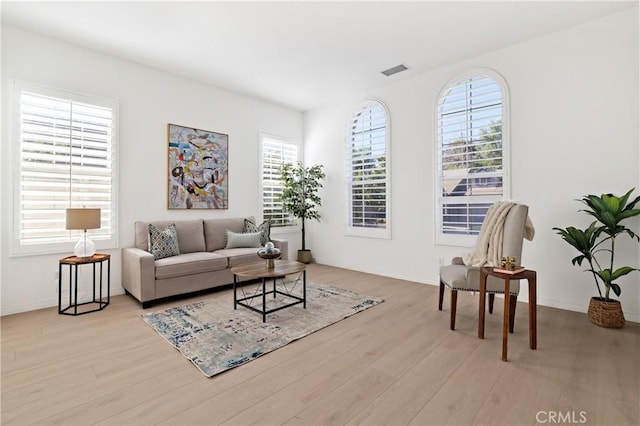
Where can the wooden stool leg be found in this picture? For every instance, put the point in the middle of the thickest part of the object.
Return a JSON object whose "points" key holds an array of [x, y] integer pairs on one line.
{"points": [[481, 302], [441, 298], [533, 337], [492, 297], [454, 302], [513, 302], [505, 322]]}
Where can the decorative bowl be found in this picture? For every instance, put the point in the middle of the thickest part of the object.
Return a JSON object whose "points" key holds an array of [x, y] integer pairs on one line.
{"points": [[269, 255], [273, 255]]}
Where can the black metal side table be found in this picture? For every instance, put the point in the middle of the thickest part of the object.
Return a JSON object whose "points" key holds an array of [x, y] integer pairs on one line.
{"points": [[98, 302]]}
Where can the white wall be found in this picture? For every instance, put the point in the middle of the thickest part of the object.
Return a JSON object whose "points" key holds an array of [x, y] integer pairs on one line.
{"points": [[149, 99], [574, 103], [574, 131]]}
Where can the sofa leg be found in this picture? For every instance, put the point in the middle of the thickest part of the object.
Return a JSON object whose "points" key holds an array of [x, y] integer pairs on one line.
{"points": [[146, 305], [454, 302], [441, 296], [492, 297]]}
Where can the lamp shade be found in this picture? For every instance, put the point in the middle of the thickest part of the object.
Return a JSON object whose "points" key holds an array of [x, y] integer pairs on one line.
{"points": [[83, 219]]}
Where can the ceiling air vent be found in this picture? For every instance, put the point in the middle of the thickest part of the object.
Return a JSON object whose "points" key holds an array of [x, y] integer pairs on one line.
{"points": [[395, 70]]}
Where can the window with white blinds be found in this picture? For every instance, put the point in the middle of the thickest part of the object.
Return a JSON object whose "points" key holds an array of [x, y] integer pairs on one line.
{"points": [[275, 152], [472, 154], [65, 159], [367, 171]]}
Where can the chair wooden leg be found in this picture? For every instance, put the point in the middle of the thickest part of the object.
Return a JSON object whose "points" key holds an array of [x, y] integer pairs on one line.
{"points": [[441, 295], [513, 301], [454, 302], [492, 297]]}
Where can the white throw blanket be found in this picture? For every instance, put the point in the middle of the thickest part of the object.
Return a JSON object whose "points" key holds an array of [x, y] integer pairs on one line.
{"points": [[488, 249]]}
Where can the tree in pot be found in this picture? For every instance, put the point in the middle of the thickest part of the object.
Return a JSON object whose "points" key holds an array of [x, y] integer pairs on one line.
{"points": [[596, 245], [300, 196]]}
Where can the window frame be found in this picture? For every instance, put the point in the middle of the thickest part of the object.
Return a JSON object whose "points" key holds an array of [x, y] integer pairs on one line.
{"points": [[470, 240], [364, 231], [284, 140], [102, 240]]}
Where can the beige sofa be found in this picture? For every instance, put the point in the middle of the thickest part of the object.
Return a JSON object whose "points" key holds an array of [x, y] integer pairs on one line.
{"points": [[203, 262]]}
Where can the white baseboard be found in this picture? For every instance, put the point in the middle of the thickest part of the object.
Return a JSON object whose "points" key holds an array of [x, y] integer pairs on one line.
{"points": [[629, 316], [50, 303]]}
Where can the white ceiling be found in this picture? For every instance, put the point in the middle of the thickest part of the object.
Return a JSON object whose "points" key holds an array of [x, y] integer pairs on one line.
{"points": [[300, 54]]}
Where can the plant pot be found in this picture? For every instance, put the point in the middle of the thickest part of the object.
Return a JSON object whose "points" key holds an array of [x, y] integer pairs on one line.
{"points": [[606, 314], [304, 256]]}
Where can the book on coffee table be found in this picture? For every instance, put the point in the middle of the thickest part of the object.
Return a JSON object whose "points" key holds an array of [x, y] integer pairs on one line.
{"points": [[516, 270]]}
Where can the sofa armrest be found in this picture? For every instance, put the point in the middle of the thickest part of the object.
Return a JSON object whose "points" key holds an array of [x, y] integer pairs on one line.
{"points": [[457, 261], [283, 245], [139, 273]]}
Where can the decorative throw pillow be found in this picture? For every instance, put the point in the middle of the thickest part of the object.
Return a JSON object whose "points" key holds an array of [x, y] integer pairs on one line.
{"points": [[240, 240], [264, 228], [163, 243]]}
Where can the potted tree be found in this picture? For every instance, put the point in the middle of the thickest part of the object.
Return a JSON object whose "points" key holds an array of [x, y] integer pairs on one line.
{"points": [[596, 245], [300, 196]]}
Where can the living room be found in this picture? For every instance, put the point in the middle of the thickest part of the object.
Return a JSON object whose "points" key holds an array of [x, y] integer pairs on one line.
{"points": [[574, 130]]}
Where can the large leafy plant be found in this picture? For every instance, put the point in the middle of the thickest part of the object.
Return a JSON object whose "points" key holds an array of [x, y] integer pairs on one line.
{"points": [[596, 243], [300, 194]]}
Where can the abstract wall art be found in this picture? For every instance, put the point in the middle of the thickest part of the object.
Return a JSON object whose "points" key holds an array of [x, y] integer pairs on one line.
{"points": [[198, 169]]}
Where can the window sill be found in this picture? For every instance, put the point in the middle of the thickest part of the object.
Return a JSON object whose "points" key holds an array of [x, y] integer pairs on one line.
{"points": [[283, 230], [379, 233], [58, 248]]}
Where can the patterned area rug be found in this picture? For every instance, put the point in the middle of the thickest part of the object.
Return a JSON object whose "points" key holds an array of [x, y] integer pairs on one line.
{"points": [[216, 338]]}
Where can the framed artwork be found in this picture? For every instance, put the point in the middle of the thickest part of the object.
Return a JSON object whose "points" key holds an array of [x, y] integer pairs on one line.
{"points": [[198, 169]]}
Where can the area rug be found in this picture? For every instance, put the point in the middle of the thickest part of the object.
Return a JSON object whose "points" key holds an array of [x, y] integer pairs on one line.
{"points": [[215, 337]]}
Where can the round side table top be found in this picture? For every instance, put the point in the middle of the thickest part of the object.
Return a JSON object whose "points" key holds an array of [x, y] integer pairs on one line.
{"points": [[74, 260]]}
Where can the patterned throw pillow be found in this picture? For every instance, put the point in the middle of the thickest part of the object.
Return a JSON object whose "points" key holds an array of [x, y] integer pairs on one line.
{"points": [[163, 243], [264, 228]]}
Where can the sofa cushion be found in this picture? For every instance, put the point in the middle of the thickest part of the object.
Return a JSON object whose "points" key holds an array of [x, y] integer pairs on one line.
{"points": [[215, 231], [264, 228], [190, 234], [242, 240], [239, 256], [163, 242], [188, 264]]}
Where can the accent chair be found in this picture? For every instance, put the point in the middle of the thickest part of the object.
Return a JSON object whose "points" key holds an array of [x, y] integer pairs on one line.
{"points": [[460, 277]]}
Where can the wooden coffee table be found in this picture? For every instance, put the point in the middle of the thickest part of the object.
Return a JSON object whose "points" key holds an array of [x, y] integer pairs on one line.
{"points": [[259, 270]]}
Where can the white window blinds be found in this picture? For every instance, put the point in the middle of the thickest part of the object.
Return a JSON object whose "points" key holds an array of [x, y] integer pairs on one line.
{"points": [[275, 152], [66, 148], [368, 168], [471, 156]]}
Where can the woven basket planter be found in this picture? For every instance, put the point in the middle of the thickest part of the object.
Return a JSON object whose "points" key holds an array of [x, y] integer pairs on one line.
{"points": [[606, 314]]}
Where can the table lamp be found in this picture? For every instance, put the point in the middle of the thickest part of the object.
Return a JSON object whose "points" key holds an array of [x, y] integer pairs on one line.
{"points": [[83, 219]]}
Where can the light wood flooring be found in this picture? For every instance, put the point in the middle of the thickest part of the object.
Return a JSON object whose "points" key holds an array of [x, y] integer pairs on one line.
{"points": [[396, 363]]}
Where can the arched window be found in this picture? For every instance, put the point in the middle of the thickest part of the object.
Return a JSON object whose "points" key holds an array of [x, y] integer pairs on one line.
{"points": [[472, 154], [368, 171]]}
